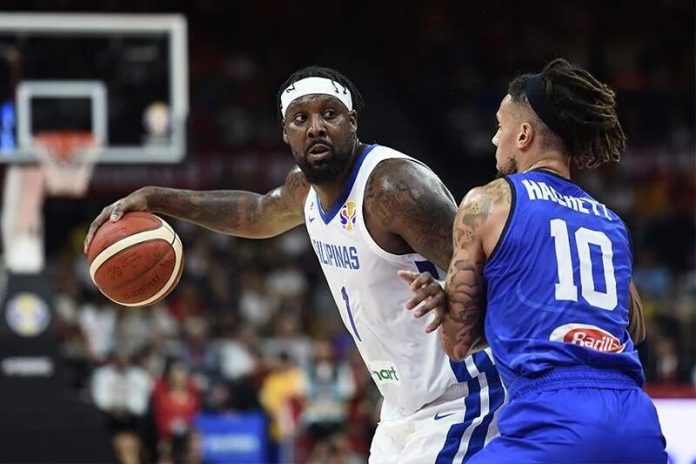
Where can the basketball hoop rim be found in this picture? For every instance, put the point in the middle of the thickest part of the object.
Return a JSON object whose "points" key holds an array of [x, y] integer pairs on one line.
{"points": [[68, 143], [67, 159]]}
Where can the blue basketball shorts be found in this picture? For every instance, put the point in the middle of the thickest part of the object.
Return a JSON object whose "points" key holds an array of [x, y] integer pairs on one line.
{"points": [[569, 421]]}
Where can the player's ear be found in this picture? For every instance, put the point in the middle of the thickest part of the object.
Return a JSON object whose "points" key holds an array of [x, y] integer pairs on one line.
{"points": [[285, 133], [525, 136], [353, 119]]}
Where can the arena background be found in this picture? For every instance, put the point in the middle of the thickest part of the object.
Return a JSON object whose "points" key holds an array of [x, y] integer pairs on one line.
{"points": [[252, 322]]}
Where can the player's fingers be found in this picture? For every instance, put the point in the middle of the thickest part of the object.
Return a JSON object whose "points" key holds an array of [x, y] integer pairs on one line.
{"points": [[407, 276], [423, 295], [116, 212], [436, 301], [419, 296], [96, 224], [422, 279], [436, 322]]}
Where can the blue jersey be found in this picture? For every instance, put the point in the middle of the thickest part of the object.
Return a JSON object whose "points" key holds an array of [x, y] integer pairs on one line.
{"points": [[558, 283]]}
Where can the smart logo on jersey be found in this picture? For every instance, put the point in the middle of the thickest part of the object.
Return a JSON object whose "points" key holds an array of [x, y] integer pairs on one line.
{"points": [[348, 215], [588, 336], [383, 372]]}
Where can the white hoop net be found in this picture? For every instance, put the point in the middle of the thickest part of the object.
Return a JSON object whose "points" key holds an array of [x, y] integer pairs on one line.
{"points": [[67, 160]]}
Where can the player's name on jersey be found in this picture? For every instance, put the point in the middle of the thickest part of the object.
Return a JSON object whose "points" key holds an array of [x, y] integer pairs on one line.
{"points": [[541, 191], [337, 255]]}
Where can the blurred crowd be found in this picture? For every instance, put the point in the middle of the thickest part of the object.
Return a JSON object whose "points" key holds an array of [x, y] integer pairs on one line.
{"points": [[252, 324]]}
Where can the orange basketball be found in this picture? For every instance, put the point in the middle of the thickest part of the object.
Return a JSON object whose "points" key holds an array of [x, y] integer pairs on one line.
{"points": [[137, 260]]}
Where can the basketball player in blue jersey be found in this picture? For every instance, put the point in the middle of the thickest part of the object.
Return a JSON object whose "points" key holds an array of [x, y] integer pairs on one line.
{"points": [[369, 212], [541, 271]]}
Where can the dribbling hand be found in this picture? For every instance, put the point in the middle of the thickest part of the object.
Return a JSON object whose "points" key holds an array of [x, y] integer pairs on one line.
{"points": [[428, 295], [136, 201]]}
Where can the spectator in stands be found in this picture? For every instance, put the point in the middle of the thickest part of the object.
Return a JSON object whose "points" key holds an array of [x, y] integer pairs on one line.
{"points": [[282, 394], [330, 388], [121, 390], [175, 404], [255, 304], [134, 327], [98, 323], [164, 328], [238, 357], [664, 366], [287, 281], [365, 406], [199, 355], [187, 301], [334, 451], [239, 367], [652, 277]]}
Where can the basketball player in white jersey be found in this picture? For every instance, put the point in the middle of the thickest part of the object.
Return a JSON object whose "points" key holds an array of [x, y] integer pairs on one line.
{"points": [[370, 211]]}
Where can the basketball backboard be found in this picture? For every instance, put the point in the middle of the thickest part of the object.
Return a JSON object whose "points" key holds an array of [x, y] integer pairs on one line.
{"points": [[122, 77]]}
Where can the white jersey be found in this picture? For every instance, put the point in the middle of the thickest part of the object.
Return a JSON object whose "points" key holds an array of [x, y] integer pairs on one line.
{"points": [[408, 365]]}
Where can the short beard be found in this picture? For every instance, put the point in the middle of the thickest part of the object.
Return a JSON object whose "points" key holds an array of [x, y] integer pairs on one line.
{"points": [[509, 168], [329, 171]]}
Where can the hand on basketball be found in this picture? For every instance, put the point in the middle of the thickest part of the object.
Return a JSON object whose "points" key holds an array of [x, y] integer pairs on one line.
{"points": [[136, 201], [428, 295]]}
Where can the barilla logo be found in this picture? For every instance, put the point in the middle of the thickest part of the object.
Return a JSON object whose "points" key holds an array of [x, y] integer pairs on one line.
{"points": [[589, 336], [383, 372]]}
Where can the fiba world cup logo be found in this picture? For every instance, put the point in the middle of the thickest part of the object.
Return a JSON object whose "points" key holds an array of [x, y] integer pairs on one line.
{"points": [[27, 314], [348, 215]]}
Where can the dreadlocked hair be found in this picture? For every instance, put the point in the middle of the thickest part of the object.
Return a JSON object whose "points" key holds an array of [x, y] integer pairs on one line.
{"points": [[328, 73], [586, 107]]}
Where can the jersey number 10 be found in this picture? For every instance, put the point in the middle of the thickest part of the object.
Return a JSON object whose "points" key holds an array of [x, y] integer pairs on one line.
{"points": [[566, 288]]}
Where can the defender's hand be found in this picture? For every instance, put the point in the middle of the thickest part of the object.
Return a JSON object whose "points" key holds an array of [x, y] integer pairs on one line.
{"points": [[428, 295], [136, 201]]}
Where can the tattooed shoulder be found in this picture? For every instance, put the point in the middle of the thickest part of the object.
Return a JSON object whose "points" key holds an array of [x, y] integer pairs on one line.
{"points": [[477, 206], [409, 200], [479, 202], [296, 184], [499, 191], [284, 203], [291, 196], [382, 191]]}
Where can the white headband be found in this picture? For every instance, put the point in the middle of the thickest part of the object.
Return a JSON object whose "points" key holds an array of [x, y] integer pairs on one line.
{"points": [[313, 86]]}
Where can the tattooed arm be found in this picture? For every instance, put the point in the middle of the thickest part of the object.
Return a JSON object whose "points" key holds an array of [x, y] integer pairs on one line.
{"points": [[408, 209], [234, 212], [477, 229]]}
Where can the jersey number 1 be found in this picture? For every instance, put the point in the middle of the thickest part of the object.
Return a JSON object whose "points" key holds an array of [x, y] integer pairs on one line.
{"points": [[565, 288]]}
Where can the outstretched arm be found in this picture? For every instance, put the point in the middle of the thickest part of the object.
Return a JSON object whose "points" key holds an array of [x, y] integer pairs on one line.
{"points": [[233, 212], [476, 230]]}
